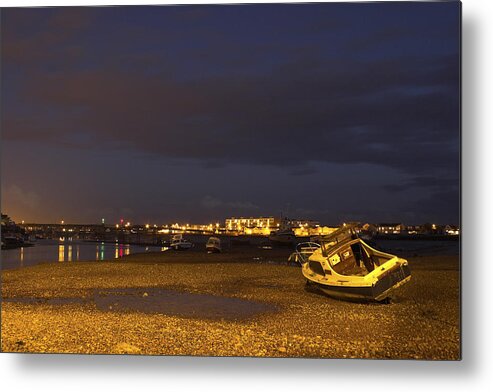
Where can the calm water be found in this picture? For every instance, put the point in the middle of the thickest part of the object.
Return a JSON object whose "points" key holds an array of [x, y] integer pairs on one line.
{"points": [[407, 248], [69, 251]]}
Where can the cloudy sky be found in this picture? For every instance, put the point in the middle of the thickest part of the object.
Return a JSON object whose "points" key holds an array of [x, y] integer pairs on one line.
{"points": [[333, 112]]}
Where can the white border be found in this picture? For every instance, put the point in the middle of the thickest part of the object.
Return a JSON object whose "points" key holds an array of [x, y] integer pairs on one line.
{"points": [[116, 373]]}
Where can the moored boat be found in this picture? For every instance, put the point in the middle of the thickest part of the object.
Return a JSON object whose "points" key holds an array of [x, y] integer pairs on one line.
{"points": [[13, 241], [303, 251], [346, 267], [213, 245], [179, 243]]}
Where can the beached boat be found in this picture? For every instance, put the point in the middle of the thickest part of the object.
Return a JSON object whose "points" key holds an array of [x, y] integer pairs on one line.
{"points": [[303, 251], [213, 245], [346, 267], [179, 243]]}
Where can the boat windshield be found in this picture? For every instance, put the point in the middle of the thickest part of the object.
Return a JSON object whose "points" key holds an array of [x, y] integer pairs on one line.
{"points": [[341, 235]]}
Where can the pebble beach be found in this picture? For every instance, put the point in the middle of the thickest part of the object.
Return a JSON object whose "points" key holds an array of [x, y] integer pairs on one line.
{"points": [[243, 302]]}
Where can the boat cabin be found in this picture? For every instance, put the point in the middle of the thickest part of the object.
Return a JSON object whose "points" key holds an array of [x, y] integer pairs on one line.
{"points": [[347, 255]]}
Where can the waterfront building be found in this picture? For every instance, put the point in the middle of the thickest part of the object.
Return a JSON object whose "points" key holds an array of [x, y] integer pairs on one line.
{"points": [[240, 224], [451, 230], [310, 231], [303, 223], [390, 228]]}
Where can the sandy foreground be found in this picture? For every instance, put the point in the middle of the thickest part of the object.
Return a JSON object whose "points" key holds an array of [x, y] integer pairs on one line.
{"points": [[233, 304]]}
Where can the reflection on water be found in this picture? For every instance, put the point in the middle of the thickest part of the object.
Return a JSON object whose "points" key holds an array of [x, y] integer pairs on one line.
{"points": [[61, 253], [69, 251], [410, 248]]}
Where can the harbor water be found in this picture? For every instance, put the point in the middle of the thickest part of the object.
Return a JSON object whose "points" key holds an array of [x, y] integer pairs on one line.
{"points": [[50, 251]]}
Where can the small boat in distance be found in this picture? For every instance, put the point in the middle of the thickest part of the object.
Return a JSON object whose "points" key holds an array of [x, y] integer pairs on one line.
{"points": [[14, 241], [303, 251], [179, 243], [346, 267], [213, 245], [285, 237]]}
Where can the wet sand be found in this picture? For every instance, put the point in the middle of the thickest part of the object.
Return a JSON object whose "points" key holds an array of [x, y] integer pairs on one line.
{"points": [[244, 302]]}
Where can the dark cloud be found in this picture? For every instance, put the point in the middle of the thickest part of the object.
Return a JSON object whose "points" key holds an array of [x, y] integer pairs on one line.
{"points": [[292, 117], [303, 171], [429, 182], [391, 34], [35, 38], [279, 86], [438, 207], [211, 202]]}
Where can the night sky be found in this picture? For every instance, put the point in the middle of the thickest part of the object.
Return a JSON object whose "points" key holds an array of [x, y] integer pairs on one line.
{"points": [[334, 112]]}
